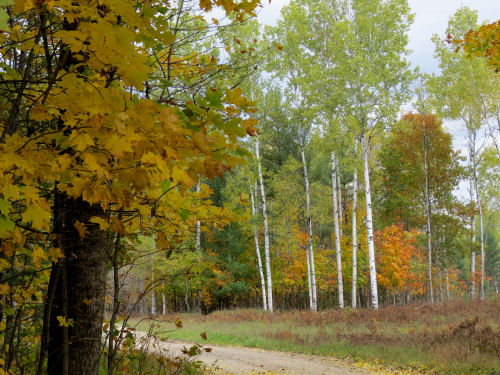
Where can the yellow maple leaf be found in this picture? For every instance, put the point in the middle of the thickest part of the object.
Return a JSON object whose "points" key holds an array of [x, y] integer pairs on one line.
{"points": [[39, 217], [38, 256], [81, 228], [103, 224], [63, 322], [55, 253]]}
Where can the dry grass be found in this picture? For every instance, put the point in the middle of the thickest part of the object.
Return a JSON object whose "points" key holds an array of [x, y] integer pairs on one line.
{"points": [[454, 338]]}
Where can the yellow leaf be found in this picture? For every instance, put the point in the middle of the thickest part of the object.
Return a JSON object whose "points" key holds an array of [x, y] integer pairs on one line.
{"points": [[38, 256], [87, 301], [117, 225], [55, 253], [103, 224], [38, 216], [81, 228], [63, 322], [82, 141]]}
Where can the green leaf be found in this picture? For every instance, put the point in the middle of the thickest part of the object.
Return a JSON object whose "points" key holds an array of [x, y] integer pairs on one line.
{"points": [[4, 18], [6, 225], [4, 207]]}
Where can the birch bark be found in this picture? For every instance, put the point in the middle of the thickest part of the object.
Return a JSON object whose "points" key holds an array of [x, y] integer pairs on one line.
{"points": [[481, 225], [472, 151], [340, 285], [257, 250], [339, 194], [427, 211], [266, 232], [163, 299], [354, 229], [153, 292], [309, 226], [369, 225]]}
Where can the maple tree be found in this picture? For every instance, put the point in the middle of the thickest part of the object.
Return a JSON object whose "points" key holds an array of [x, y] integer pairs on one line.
{"points": [[95, 149], [397, 249], [482, 42]]}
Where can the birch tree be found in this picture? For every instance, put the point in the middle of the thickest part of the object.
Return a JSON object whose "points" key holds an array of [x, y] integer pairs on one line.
{"points": [[266, 231], [359, 68], [354, 229], [340, 284], [257, 249], [462, 88], [422, 109]]}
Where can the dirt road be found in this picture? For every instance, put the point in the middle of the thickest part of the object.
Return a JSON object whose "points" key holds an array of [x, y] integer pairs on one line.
{"points": [[237, 360]]}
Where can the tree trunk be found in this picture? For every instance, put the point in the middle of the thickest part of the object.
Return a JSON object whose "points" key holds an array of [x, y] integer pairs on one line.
{"points": [[481, 232], [473, 246], [314, 306], [369, 225], [339, 195], [427, 212], [266, 232], [153, 292], [472, 151], [186, 295], [340, 285], [198, 247], [308, 263], [163, 299], [257, 250], [80, 290], [354, 229]]}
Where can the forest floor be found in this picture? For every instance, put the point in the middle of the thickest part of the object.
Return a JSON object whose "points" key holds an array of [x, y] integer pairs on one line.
{"points": [[455, 338]]}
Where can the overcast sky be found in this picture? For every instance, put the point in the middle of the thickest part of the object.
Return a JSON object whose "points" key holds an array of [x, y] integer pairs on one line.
{"points": [[431, 17]]}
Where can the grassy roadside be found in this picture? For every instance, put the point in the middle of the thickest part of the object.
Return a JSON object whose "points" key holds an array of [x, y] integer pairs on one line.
{"points": [[456, 338]]}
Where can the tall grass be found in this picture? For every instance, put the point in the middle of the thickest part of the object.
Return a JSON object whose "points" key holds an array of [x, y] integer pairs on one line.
{"points": [[455, 338]]}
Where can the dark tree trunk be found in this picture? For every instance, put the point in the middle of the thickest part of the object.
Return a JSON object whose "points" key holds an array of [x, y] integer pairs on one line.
{"points": [[80, 285]]}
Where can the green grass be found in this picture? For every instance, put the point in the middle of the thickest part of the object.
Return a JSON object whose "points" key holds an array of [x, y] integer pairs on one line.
{"points": [[442, 338]]}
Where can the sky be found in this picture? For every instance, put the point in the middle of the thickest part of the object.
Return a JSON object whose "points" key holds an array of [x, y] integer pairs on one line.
{"points": [[431, 17]]}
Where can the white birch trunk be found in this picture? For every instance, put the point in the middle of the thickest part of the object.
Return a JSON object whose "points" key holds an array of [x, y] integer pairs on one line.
{"points": [[163, 299], [369, 225], [354, 230], [340, 285], [266, 232], [339, 194], [309, 278], [473, 261], [198, 227], [481, 227], [257, 250], [427, 212], [198, 247], [309, 226], [153, 292]]}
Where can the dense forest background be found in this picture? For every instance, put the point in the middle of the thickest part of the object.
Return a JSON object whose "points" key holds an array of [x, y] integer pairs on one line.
{"points": [[162, 157]]}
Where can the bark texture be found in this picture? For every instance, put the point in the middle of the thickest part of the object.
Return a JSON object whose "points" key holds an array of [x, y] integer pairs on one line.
{"points": [[257, 251], [310, 254], [369, 225], [340, 284], [266, 232], [80, 285], [354, 230]]}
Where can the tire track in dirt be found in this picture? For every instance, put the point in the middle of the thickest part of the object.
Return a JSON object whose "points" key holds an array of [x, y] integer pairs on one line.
{"points": [[240, 360]]}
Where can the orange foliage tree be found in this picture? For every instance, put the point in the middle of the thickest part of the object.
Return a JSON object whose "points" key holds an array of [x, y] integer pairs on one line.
{"points": [[398, 259]]}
